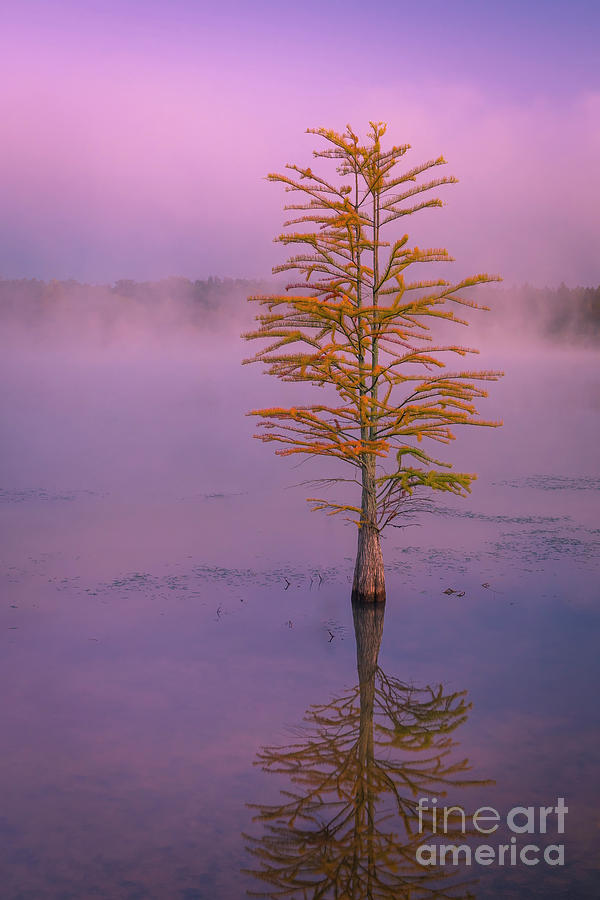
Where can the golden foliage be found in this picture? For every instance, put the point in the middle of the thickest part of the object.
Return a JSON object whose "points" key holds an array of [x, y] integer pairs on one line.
{"points": [[353, 321]]}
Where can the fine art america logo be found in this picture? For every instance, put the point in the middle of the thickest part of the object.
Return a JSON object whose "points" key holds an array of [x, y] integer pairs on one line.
{"points": [[521, 820]]}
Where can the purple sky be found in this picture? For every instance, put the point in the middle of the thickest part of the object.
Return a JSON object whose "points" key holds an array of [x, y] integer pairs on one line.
{"points": [[136, 135]]}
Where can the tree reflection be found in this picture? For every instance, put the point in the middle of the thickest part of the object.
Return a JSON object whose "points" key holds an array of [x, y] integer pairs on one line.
{"points": [[348, 827]]}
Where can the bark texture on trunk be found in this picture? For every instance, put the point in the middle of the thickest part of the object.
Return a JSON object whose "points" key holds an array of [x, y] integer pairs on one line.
{"points": [[369, 578]]}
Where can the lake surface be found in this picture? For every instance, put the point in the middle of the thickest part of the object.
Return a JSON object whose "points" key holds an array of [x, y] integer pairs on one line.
{"points": [[179, 646]]}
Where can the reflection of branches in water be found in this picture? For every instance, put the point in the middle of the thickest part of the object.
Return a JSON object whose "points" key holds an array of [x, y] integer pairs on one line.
{"points": [[331, 758], [349, 827]]}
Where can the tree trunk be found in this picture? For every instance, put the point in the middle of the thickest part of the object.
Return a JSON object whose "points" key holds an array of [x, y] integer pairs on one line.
{"points": [[369, 578]]}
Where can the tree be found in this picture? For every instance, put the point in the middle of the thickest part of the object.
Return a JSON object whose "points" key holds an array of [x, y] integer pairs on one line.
{"points": [[354, 324], [348, 825]]}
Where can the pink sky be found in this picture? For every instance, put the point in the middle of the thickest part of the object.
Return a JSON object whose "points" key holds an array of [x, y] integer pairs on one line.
{"points": [[136, 137]]}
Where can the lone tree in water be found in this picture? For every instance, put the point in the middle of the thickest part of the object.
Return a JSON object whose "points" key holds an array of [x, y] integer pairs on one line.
{"points": [[355, 320]]}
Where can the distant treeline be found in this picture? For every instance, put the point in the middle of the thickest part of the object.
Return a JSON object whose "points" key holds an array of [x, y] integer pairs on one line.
{"points": [[32, 297], [70, 311], [553, 313], [559, 313]]}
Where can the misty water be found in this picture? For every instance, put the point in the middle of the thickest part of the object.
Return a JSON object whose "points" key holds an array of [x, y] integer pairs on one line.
{"points": [[179, 646]]}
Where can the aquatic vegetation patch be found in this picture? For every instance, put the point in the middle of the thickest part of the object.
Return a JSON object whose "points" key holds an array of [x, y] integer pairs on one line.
{"points": [[498, 519], [554, 482], [8, 495]]}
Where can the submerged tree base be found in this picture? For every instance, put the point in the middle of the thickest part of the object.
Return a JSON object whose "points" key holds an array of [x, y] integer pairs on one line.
{"points": [[375, 596], [369, 576]]}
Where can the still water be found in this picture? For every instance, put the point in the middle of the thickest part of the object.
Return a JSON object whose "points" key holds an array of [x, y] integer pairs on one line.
{"points": [[191, 706]]}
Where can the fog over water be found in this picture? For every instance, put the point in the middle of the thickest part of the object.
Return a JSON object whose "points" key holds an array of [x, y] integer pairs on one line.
{"points": [[148, 407], [151, 645]]}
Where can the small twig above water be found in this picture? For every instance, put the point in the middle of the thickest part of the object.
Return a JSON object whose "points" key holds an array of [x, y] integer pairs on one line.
{"points": [[488, 585]]}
